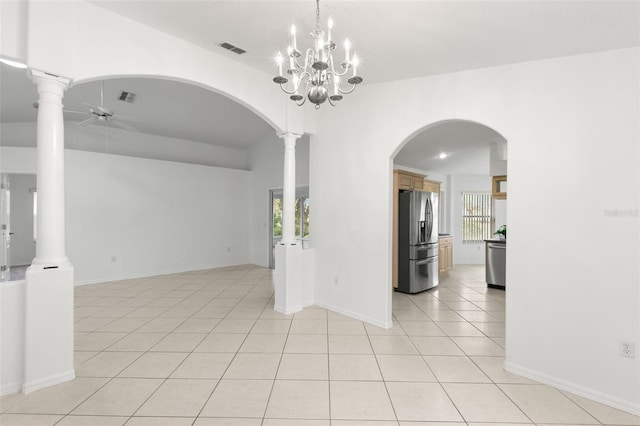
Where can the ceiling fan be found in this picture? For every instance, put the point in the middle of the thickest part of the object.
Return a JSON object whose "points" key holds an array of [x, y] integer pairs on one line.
{"points": [[99, 114]]}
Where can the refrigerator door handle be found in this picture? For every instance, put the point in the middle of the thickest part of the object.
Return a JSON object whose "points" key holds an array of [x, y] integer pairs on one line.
{"points": [[426, 261], [429, 217]]}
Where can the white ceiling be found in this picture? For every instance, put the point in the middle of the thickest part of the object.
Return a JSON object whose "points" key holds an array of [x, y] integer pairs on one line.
{"points": [[400, 39], [395, 39], [161, 107]]}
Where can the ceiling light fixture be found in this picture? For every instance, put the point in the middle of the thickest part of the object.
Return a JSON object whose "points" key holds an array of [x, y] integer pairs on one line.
{"points": [[317, 77], [442, 155]]}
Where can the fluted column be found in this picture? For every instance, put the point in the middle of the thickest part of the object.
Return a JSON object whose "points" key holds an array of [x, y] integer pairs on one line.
{"points": [[50, 247], [289, 189]]}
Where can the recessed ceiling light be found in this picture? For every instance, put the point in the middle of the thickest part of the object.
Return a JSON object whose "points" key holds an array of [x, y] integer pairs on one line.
{"points": [[442, 155]]}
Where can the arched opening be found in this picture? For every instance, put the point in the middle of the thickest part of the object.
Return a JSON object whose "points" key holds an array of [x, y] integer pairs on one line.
{"points": [[170, 119], [448, 307]]}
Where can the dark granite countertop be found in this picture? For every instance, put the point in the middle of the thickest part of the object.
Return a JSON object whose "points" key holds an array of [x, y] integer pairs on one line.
{"points": [[496, 241]]}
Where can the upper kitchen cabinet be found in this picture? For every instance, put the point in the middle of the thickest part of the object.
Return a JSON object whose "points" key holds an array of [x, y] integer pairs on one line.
{"points": [[413, 182], [431, 186], [499, 187], [408, 180]]}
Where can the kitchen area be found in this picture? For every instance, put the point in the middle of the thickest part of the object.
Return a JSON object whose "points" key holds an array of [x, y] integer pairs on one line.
{"points": [[449, 205]]}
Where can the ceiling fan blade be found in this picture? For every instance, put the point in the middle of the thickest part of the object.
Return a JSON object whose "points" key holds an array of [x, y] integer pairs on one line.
{"points": [[75, 112], [123, 126], [86, 122]]}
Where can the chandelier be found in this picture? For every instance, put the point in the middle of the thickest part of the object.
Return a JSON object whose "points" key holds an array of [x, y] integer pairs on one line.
{"points": [[317, 77]]}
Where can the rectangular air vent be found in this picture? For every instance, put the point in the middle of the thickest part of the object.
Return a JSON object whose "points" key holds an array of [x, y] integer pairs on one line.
{"points": [[231, 47], [127, 96]]}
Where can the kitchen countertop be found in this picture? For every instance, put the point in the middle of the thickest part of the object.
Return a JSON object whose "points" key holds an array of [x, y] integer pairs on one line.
{"points": [[497, 241]]}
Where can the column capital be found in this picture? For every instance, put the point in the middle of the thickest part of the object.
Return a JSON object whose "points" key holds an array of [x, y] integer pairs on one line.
{"points": [[38, 76], [289, 137]]}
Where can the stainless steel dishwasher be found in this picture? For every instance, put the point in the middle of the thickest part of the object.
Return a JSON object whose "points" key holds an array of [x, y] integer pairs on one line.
{"points": [[496, 262]]}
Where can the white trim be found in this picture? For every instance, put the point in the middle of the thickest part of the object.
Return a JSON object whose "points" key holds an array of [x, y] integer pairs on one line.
{"points": [[10, 388], [49, 381], [290, 311], [155, 273], [354, 315], [610, 400]]}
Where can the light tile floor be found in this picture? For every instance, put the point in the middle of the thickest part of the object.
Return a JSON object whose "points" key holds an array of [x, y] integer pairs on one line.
{"points": [[206, 348]]}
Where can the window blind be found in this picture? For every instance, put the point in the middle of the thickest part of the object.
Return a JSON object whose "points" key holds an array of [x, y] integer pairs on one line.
{"points": [[476, 217]]}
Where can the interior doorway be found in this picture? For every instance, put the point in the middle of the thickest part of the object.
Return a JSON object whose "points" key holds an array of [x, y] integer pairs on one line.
{"points": [[275, 220], [18, 205]]}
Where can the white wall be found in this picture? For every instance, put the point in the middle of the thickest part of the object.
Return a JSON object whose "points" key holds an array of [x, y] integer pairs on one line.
{"points": [[153, 216], [563, 119], [466, 253], [500, 214], [266, 162], [96, 138], [23, 248], [12, 314]]}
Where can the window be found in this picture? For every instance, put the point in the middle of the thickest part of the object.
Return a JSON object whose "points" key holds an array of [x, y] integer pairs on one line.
{"points": [[476, 217]]}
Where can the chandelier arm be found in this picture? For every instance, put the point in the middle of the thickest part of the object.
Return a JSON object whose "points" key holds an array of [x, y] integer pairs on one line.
{"points": [[346, 92], [287, 91], [294, 88]]}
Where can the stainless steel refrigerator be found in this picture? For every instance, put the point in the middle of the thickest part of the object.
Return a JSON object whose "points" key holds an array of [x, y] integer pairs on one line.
{"points": [[417, 241]]}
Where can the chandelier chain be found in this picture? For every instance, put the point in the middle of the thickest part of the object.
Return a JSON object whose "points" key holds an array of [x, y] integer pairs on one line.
{"points": [[318, 15]]}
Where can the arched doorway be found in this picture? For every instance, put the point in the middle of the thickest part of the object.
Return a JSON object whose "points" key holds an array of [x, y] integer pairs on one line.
{"points": [[453, 309]]}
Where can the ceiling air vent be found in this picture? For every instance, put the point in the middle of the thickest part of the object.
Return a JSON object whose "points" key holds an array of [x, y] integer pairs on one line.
{"points": [[231, 47], [127, 96]]}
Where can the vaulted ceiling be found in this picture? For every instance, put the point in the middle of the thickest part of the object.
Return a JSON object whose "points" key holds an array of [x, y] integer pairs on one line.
{"points": [[395, 39]]}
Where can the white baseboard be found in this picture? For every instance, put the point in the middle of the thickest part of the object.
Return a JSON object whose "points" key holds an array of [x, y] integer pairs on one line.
{"points": [[48, 381], [7, 389], [354, 315], [612, 401], [154, 273], [289, 311]]}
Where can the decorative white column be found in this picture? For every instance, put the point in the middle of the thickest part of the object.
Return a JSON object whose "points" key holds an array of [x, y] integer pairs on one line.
{"points": [[48, 327], [289, 189], [288, 274], [50, 248]]}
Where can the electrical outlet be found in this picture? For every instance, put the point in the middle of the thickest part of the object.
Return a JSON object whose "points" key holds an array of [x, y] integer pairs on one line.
{"points": [[228, 249], [114, 259], [628, 349]]}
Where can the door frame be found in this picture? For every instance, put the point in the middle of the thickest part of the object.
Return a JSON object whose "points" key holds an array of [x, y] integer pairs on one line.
{"points": [[301, 191]]}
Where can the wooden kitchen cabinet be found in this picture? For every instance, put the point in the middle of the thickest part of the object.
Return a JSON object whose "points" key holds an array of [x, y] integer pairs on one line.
{"points": [[499, 187], [431, 186], [408, 180], [445, 254]]}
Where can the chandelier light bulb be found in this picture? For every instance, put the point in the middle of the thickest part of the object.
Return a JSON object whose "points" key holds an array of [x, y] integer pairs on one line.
{"points": [[355, 64], [294, 45], [347, 46], [279, 62]]}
